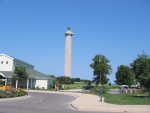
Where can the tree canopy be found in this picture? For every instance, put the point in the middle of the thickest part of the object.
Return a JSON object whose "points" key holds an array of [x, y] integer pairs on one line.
{"points": [[65, 80], [101, 69], [141, 69], [20, 73], [125, 76]]}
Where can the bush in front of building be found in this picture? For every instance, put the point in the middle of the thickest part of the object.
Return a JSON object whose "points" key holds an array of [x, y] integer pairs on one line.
{"points": [[1, 83], [12, 93]]}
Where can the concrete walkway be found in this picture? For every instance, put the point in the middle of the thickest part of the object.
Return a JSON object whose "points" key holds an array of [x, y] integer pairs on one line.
{"points": [[89, 102]]}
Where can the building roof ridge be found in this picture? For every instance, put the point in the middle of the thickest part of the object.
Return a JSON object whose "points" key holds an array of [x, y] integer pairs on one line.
{"points": [[16, 59]]}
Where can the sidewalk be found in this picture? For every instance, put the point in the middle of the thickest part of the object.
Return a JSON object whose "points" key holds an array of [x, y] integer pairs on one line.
{"points": [[89, 102]]}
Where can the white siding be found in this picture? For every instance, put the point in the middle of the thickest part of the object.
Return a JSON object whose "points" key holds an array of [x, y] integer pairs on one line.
{"points": [[4, 66], [8, 63], [17, 63], [41, 84]]}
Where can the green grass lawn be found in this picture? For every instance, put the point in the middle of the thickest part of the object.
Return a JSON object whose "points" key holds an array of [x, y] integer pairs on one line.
{"points": [[127, 99], [79, 85], [75, 85]]}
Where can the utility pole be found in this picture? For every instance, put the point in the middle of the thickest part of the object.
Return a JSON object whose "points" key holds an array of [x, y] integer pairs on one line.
{"points": [[100, 84]]}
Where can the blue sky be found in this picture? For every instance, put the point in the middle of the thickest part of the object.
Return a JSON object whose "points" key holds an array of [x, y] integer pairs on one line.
{"points": [[33, 31]]}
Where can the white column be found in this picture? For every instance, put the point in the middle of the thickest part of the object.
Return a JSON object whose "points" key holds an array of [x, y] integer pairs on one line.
{"points": [[67, 65], [16, 83], [9, 81], [31, 83], [34, 83], [6, 81], [27, 83]]}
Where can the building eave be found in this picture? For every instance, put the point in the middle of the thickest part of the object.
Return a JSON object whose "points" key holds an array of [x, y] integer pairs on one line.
{"points": [[7, 56]]}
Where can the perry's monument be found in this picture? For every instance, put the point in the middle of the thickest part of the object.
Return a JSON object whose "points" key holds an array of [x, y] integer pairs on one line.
{"points": [[67, 65]]}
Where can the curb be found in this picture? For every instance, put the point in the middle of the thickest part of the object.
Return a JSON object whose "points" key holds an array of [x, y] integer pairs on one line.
{"points": [[14, 98], [73, 106]]}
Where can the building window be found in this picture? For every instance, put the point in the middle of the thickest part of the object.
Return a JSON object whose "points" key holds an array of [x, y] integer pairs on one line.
{"points": [[1, 62], [6, 62]]}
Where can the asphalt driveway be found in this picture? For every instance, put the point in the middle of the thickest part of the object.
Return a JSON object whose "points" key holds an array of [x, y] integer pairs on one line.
{"points": [[38, 102]]}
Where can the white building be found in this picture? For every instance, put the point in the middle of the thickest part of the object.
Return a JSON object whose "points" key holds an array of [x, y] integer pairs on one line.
{"points": [[36, 79]]}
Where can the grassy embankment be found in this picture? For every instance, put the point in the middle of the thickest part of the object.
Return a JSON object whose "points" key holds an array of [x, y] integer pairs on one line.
{"points": [[79, 85], [76, 85], [128, 99]]}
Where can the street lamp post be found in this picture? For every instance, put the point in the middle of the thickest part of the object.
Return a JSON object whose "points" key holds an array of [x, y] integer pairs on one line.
{"points": [[100, 92]]}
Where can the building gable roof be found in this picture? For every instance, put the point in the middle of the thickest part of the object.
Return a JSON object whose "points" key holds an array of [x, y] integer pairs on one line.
{"points": [[7, 56], [8, 74], [32, 74], [36, 74], [13, 58]]}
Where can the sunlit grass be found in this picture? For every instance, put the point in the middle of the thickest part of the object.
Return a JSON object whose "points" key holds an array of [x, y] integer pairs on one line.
{"points": [[75, 85], [127, 99]]}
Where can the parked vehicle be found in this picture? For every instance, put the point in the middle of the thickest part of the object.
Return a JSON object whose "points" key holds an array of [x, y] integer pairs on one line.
{"points": [[123, 86], [127, 89], [138, 87], [87, 87], [132, 86]]}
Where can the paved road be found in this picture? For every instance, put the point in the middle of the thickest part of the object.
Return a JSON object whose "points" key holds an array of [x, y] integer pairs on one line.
{"points": [[39, 102]]}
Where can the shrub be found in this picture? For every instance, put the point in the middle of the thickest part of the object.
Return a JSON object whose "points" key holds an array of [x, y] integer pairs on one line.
{"points": [[2, 95], [12, 95], [15, 93], [7, 96], [1, 83], [2, 92], [96, 90], [60, 86], [66, 87]]}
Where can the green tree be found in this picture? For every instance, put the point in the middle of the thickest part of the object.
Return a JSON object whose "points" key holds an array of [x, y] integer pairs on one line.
{"points": [[141, 69], [20, 74], [101, 69], [89, 83], [109, 83], [65, 80], [1, 83], [76, 79], [53, 76], [54, 82], [125, 76]]}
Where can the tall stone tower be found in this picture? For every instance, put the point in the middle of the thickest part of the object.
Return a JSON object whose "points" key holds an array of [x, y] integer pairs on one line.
{"points": [[67, 65]]}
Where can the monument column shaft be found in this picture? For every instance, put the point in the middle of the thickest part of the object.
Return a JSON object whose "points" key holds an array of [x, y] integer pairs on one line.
{"points": [[67, 65], [67, 71]]}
